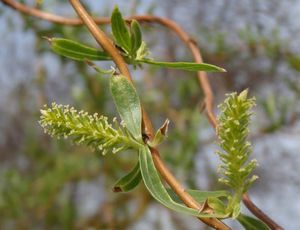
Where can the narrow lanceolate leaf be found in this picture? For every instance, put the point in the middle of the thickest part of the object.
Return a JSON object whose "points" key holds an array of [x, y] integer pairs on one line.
{"points": [[127, 103], [157, 190], [250, 223], [129, 181], [202, 196], [75, 50], [136, 36], [120, 31], [189, 66]]}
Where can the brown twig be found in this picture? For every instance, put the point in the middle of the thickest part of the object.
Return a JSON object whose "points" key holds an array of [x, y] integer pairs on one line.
{"points": [[108, 46], [260, 214], [202, 77]]}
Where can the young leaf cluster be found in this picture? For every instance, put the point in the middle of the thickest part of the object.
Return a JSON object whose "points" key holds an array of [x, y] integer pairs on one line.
{"points": [[127, 38], [92, 130], [129, 41], [232, 132]]}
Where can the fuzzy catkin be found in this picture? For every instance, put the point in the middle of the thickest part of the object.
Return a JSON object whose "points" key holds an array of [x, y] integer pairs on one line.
{"points": [[92, 130], [233, 131]]}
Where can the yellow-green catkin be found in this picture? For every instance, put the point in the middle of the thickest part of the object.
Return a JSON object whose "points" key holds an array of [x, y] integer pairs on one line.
{"points": [[92, 130], [233, 131]]}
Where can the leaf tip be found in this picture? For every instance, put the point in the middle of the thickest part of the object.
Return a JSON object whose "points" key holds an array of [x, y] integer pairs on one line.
{"points": [[134, 23], [164, 128], [116, 7], [116, 10], [116, 189], [48, 39]]}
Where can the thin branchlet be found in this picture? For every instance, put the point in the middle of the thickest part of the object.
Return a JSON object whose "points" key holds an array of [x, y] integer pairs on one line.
{"points": [[92, 130]]}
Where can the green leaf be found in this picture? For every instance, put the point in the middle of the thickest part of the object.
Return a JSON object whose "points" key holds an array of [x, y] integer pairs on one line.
{"points": [[174, 196], [212, 198], [250, 223], [202, 196], [119, 30], [136, 37], [189, 66], [75, 50], [218, 206], [160, 135], [142, 52], [129, 181], [128, 104], [157, 190]]}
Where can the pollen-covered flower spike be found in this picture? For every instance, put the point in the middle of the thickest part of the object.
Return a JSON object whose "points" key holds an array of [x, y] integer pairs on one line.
{"points": [[92, 130], [232, 133]]}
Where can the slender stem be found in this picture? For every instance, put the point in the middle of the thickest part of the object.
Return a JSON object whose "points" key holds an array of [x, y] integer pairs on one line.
{"points": [[184, 37], [260, 214], [108, 46]]}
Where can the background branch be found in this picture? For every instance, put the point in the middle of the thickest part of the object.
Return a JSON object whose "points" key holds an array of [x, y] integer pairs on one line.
{"points": [[260, 214]]}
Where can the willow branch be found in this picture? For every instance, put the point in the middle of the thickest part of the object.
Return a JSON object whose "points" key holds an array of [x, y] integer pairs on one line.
{"points": [[191, 44], [108, 46]]}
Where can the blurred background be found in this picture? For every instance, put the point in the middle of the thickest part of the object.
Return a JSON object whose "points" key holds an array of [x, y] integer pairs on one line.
{"points": [[51, 184]]}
